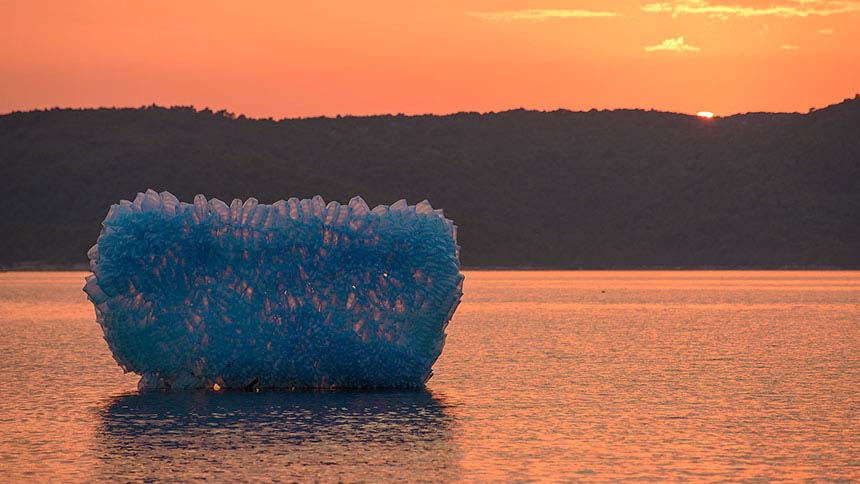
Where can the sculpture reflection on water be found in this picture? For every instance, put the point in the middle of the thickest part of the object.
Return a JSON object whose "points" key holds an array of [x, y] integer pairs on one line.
{"points": [[297, 294], [303, 437]]}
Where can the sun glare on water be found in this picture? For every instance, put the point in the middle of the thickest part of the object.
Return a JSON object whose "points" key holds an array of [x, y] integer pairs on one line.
{"points": [[705, 114]]}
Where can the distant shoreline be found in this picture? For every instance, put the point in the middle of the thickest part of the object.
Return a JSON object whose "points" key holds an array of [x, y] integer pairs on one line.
{"points": [[610, 190]]}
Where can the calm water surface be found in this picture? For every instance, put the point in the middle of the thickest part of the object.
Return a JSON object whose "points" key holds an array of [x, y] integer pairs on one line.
{"points": [[546, 376]]}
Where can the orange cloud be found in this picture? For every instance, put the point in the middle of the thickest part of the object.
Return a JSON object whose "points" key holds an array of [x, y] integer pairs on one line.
{"points": [[806, 8], [672, 45], [538, 15]]}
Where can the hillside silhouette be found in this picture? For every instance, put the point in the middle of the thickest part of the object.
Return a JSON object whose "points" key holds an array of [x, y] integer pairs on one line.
{"points": [[561, 189]]}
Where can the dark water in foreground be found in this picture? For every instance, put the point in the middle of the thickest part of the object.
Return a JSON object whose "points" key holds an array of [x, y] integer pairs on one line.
{"points": [[547, 376]]}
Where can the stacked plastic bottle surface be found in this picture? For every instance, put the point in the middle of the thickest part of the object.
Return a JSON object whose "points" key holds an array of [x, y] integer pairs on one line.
{"points": [[298, 294]]}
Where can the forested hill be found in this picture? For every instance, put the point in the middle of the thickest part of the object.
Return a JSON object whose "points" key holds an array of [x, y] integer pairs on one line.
{"points": [[561, 189]]}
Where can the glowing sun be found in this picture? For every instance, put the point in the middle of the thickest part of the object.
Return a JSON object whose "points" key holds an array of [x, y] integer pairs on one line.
{"points": [[705, 114]]}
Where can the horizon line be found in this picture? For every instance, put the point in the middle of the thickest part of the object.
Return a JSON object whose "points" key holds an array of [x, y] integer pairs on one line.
{"points": [[235, 115]]}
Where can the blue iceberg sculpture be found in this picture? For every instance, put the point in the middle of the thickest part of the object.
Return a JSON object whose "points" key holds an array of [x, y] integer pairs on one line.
{"points": [[297, 294]]}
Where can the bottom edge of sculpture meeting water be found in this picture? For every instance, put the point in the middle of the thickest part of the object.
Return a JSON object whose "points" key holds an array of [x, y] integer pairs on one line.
{"points": [[298, 294]]}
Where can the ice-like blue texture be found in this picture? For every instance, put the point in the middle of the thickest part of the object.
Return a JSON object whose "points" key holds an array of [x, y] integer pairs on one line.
{"points": [[297, 294]]}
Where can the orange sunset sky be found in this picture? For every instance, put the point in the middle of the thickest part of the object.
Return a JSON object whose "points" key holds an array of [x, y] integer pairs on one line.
{"points": [[286, 59]]}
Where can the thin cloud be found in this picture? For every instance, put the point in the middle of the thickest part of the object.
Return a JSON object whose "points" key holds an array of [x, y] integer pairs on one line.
{"points": [[827, 31], [672, 45], [789, 47], [802, 9], [539, 15]]}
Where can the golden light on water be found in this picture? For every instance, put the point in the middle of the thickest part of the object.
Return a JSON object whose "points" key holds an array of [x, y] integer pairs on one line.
{"points": [[705, 114]]}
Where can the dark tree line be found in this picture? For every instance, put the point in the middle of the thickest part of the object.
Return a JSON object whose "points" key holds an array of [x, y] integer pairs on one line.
{"points": [[561, 189]]}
